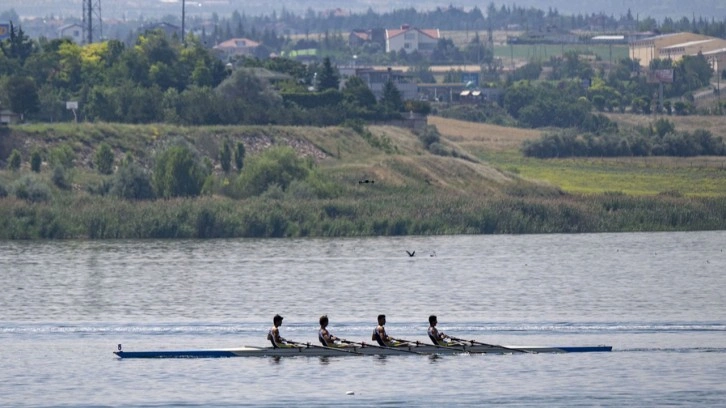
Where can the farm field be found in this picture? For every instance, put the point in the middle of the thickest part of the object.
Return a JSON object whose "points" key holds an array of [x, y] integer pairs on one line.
{"points": [[689, 176]]}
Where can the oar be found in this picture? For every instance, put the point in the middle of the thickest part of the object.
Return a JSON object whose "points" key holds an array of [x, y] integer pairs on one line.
{"points": [[383, 347], [418, 343], [308, 345], [492, 345], [409, 342]]}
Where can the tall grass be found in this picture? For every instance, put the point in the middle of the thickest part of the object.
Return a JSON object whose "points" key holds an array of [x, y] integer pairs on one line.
{"points": [[92, 217]]}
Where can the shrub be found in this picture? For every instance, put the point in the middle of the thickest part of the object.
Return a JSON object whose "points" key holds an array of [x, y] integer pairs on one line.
{"points": [[36, 160], [439, 149], [3, 191], [429, 135], [681, 108], [177, 173], [277, 165], [62, 155], [102, 188], [225, 157], [662, 127], [104, 159], [239, 156], [132, 183], [60, 178], [31, 189], [14, 160]]}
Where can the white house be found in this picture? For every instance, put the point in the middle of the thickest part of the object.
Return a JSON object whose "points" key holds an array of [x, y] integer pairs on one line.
{"points": [[411, 39], [73, 31]]}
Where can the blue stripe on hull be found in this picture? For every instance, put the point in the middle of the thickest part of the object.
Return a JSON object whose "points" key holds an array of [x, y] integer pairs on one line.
{"points": [[176, 354], [321, 351], [585, 349]]}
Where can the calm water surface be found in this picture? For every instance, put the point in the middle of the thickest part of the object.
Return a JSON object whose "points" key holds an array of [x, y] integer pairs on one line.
{"points": [[657, 298]]}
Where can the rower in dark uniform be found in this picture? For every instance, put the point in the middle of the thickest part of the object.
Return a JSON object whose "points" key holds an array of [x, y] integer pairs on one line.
{"points": [[438, 337], [380, 336], [274, 334], [327, 339]]}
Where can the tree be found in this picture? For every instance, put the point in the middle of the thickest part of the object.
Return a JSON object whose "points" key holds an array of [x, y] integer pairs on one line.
{"points": [[177, 173], [247, 99], [18, 46], [23, 95], [477, 52], [35, 161], [276, 166], [104, 159], [328, 78], [132, 182], [357, 92], [239, 156], [225, 157], [70, 66], [392, 100], [62, 156], [530, 71], [14, 160], [662, 127], [518, 96]]}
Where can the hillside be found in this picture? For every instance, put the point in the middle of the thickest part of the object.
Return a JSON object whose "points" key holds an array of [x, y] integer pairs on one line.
{"points": [[341, 152], [349, 157], [380, 181]]}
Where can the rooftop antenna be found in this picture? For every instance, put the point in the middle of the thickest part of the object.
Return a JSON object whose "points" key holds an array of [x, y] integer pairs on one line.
{"points": [[92, 24]]}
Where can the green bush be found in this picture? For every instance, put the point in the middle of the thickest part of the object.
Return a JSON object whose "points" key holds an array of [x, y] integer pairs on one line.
{"points": [[225, 157], [36, 160], [309, 100], [277, 165], [429, 135], [239, 156], [483, 113], [3, 191], [14, 160], [62, 155], [31, 189], [177, 173], [60, 178], [132, 183], [104, 159]]}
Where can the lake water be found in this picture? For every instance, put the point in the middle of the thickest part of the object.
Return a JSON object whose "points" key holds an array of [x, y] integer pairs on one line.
{"points": [[657, 298]]}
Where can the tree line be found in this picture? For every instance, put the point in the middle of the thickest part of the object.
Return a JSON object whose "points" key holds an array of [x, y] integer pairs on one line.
{"points": [[450, 17], [159, 79], [659, 139]]}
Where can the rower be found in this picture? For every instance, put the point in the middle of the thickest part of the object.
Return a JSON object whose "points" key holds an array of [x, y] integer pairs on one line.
{"points": [[274, 334], [380, 336], [327, 339], [436, 336]]}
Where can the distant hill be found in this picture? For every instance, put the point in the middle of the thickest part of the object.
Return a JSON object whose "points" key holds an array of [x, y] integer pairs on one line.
{"points": [[156, 9]]}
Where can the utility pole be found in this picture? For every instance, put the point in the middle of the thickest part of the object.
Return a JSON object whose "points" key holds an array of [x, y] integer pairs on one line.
{"points": [[718, 83], [184, 40], [91, 12]]}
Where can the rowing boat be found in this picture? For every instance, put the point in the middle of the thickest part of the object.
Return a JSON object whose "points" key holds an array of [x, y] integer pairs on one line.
{"points": [[315, 351]]}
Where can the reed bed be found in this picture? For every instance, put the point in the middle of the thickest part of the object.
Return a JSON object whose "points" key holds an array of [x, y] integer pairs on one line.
{"points": [[410, 213]]}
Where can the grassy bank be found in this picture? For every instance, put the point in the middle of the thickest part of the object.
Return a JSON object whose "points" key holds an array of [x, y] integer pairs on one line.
{"points": [[409, 190], [409, 214]]}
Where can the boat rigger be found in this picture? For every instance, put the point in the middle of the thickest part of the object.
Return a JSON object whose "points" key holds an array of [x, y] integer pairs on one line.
{"points": [[355, 350]]}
